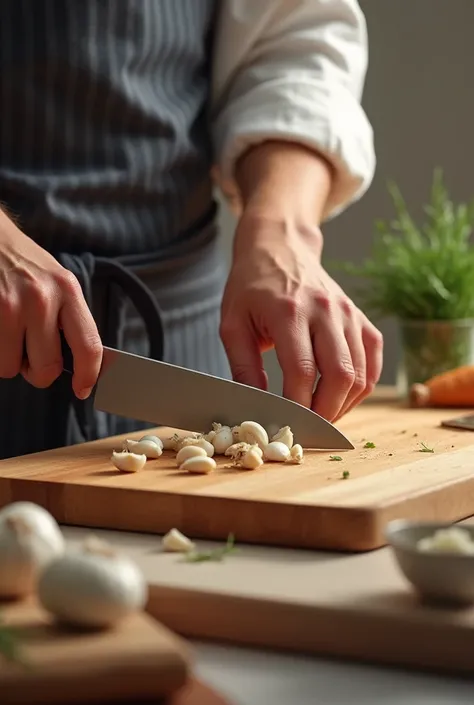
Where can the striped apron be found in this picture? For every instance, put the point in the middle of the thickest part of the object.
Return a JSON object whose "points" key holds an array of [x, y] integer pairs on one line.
{"points": [[105, 160]]}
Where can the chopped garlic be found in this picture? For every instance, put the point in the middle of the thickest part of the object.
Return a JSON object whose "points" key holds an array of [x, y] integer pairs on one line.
{"points": [[175, 541], [451, 540]]}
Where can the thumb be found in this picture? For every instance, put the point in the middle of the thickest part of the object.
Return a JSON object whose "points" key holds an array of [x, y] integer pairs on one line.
{"points": [[242, 347]]}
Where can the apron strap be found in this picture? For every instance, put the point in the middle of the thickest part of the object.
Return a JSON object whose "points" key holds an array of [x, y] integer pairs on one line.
{"points": [[87, 267]]}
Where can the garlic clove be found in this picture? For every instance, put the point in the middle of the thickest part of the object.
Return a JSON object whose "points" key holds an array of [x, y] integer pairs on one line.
{"points": [[276, 452], [252, 459], [237, 449], [296, 454], [284, 435], [199, 442], [200, 465], [175, 541], [169, 443], [30, 538], [92, 586], [153, 439], [252, 432], [223, 439], [187, 452], [128, 462], [143, 447]]}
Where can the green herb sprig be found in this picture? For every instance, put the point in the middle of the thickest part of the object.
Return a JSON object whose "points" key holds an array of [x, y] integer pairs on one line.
{"points": [[9, 645], [420, 272], [425, 449], [335, 457], [369, 444], [217, 554]]}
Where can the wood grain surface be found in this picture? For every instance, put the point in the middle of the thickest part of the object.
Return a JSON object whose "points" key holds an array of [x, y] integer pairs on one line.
{"points": [[139, 659], [304, 506]]}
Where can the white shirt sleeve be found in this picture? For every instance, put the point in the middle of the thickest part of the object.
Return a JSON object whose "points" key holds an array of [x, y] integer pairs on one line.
{"points": [[293, 70]]}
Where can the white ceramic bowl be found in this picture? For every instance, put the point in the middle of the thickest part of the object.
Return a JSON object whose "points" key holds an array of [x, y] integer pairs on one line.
{"points": [[436, 576]]}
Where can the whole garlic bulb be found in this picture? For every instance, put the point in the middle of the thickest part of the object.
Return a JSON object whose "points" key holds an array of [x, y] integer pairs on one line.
{"points": [[92, 587], [29, 539]]}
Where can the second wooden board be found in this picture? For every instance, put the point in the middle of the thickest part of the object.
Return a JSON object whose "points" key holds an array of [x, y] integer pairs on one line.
{"points": [[411, 468], [139, 659]]}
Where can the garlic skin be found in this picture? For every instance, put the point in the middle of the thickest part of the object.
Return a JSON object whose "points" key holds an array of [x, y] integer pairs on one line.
{"points": [[236, 450], [251, 459], [178, 441], [236, 434], [128, 462], [92, 587], [276, 452], [199, 465], [296, 454], [284, 435], [253, 433], [143, 447], [154, 439], [169, 443], [175, 541], [209, 436], [29, 539], [187, 452], [223, 438], [199, 442]]}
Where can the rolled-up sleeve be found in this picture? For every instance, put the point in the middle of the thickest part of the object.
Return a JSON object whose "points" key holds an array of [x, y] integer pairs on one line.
{"points": [[293, 70]]}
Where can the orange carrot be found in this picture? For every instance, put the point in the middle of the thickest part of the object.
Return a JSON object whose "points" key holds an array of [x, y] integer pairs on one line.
{"points": [[453, 388]]}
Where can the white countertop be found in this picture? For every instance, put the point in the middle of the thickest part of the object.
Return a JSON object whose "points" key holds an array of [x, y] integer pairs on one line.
{"points": [[249, 677]]}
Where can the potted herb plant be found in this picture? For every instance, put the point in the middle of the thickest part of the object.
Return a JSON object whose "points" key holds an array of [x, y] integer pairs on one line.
{"points": [[423, 276]]}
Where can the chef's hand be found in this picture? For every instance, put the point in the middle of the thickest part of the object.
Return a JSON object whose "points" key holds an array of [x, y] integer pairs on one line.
{"points": [[38, 297], [278, 294]]}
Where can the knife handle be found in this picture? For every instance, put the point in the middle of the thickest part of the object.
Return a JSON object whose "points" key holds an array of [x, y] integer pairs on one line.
{"points": [[68, 362]]}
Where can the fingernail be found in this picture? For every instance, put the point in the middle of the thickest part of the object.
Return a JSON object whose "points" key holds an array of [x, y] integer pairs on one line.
{"points": [[84, 393]]}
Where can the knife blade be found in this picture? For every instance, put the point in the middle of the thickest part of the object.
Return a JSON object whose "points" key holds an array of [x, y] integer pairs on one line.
{"points": [[168, 395]]}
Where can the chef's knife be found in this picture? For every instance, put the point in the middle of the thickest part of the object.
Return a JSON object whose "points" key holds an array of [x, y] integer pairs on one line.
{"points": [[167, 395]]}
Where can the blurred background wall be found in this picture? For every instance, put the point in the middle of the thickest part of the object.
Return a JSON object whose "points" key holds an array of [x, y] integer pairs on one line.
{"points": [[419, 96]]}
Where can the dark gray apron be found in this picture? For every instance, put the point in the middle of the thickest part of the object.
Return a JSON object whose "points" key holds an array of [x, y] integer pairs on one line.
{"points": [[104, 158]]}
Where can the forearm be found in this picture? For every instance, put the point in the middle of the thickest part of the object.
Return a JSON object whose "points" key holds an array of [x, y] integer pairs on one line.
{"points": [[284, 184], [294, 72]]}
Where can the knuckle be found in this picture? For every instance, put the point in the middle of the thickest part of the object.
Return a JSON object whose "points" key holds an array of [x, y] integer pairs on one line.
{"points": [[9, 308], [305, 371], [41, 296], [359, 384], [322, 299], [288, 306], [68, 283], [92, 346], [347, 307], [345, 374], [370, 386], [240, 372], [374, 338]]}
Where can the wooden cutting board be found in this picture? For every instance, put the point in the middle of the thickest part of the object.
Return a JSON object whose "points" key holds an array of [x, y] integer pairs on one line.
{"points": [[351, 606], [140, 659], [306, 506]]}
